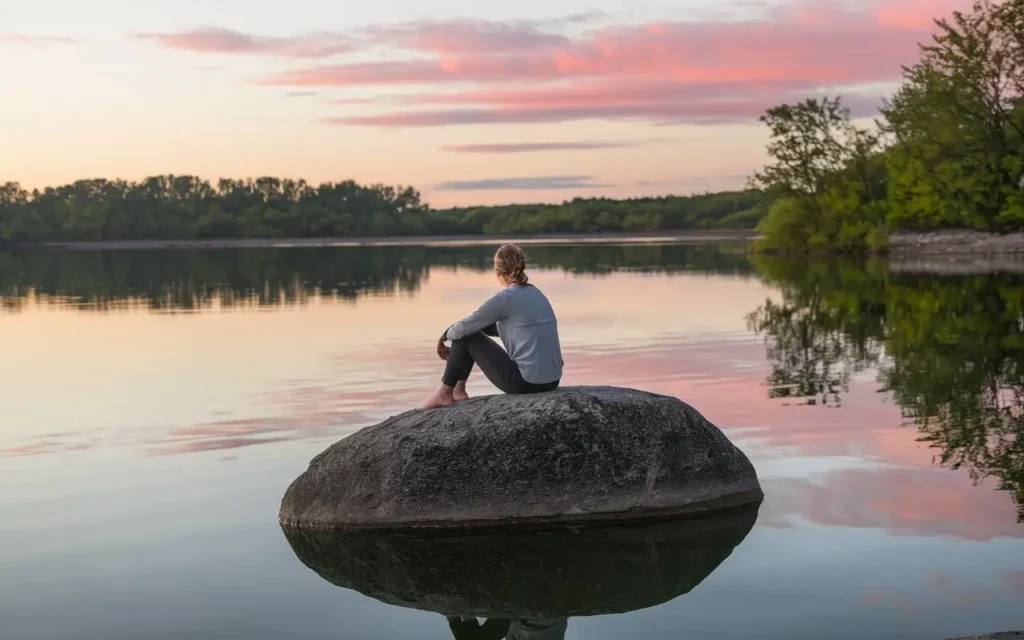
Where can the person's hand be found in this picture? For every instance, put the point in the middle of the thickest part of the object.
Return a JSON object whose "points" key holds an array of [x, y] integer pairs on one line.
{"points": [[442, 349]]}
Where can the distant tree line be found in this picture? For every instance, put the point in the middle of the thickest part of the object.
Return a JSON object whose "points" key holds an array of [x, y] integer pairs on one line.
{"points": [[946, 152], [187, 207]]}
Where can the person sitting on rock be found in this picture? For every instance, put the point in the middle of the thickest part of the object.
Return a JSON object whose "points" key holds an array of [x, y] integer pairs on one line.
{"points": [[522, 317]]}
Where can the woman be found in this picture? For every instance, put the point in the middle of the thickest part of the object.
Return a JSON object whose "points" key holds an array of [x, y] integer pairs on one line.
{"points": [[522, 317]]}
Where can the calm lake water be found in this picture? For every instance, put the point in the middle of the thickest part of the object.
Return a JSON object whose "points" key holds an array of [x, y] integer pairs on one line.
{"points": [[155, 406]]}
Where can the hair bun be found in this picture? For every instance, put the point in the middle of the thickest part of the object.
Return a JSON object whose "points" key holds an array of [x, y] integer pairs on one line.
{"points": [[510, 262], [519, 276]]}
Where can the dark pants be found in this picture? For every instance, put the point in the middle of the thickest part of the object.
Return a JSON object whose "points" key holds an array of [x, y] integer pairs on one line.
{"points": [[493, 361]]}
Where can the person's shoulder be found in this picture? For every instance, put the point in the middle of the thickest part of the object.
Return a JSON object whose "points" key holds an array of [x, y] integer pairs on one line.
{"points": [[524, 290], [500, 296], [521, 292], [531, 294], [534, 290]]}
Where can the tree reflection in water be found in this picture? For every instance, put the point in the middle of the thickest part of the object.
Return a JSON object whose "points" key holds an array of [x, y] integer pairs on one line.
{"points": [[949, 351], [194, 280]]}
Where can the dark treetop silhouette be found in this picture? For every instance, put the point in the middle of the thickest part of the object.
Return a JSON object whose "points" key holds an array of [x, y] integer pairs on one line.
{"points": [[187, 207]]}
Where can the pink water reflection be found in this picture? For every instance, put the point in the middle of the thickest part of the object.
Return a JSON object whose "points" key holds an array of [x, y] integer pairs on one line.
{"points": [[323, 371], [896, 485]]}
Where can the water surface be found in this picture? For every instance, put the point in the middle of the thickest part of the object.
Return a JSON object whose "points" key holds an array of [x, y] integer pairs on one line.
{"points": [[157, 404]]}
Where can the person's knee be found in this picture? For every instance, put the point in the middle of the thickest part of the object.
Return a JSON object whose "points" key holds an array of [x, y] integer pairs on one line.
{"points": [[475, 338], [460, 347], [477, 343]]}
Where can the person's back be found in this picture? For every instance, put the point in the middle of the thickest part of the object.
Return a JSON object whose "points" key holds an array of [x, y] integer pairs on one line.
{"points": [[521, 315], [529, 332]]}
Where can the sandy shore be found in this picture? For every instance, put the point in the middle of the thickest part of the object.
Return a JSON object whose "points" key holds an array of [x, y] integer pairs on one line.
{"points": [[270, 243]]}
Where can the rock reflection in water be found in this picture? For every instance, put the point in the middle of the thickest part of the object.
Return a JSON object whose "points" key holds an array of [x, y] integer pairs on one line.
{"points": [[527, 584]]}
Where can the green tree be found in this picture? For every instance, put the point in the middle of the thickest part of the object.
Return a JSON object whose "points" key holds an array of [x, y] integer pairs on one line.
{"points": [[823, 168], [185, 207], [810, 143], [958, 157]]}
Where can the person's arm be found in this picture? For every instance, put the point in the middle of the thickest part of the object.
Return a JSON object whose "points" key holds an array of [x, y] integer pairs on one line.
{"points": [[488, 314]]}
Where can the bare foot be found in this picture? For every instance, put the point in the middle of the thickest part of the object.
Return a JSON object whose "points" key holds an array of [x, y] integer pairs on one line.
{"points": [[460, 393], [443, 397]]}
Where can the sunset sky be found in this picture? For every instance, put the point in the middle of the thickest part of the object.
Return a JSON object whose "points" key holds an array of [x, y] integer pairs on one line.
{"points": [[471, 102]]}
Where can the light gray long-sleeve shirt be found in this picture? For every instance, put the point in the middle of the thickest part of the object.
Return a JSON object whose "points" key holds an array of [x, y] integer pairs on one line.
{"points": [[527, 327]]}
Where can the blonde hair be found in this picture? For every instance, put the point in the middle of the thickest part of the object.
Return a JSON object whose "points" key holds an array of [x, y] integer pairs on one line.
{"points": [[510, 264]]}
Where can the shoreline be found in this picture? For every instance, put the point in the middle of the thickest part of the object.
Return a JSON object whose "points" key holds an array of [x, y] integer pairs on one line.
{"points": [[955, 265], [956, 242], [952, 251], [668, 237], [956, 253]]}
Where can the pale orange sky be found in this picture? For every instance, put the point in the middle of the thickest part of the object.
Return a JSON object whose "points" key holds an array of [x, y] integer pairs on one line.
{"points": [[470, 103]]}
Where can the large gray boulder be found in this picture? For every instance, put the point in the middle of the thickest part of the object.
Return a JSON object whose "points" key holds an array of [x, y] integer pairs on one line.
{"points": [[572, 456], [527, 575]]}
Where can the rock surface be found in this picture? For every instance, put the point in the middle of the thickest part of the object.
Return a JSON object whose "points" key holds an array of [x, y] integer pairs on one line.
{"points": [[1006, 635], [572, 456], [526, 575]]}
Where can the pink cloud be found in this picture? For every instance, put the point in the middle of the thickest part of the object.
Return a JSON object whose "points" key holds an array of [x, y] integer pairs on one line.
{"points": [[915, 14], [457, 37], [219, 40], [613, 93], [352, 101], [21, 39], [529, 183], [712, 71], [467, 37], [698, 101], [722, 110], [531, 147], [805, 42], [706, 71]]}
